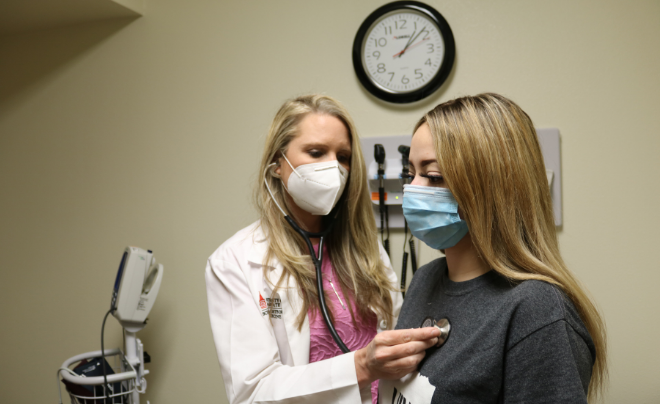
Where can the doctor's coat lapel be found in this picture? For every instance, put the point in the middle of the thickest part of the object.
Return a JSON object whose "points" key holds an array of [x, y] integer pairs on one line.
{"points": [[296, 341]]}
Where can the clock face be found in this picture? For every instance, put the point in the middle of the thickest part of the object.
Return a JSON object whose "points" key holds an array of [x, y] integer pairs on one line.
{"points": [[403, 51]]}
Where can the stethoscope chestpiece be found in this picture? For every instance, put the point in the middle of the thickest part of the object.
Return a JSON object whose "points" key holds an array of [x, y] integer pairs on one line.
{"points": [[442, 325]]}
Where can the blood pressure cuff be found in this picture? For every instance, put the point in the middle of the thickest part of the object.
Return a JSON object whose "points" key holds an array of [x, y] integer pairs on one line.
{"points": [[93, 368]]}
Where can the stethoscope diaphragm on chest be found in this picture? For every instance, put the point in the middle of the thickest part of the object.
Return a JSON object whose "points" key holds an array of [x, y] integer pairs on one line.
{"points": [[443, 325]]}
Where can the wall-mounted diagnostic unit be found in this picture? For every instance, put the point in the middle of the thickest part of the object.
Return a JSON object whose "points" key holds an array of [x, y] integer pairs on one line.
{"points": [[393, 168]]}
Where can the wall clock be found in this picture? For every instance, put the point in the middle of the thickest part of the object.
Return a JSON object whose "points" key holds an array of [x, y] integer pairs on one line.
{"points": [[403, 51]]}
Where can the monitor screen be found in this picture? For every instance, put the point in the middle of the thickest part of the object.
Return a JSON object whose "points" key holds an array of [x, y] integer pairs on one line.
{"points": [[120, 271]]}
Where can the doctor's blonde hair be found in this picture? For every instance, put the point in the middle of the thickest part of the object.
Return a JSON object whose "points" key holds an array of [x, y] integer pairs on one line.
{"points": [[488, 153], [352, 244]]}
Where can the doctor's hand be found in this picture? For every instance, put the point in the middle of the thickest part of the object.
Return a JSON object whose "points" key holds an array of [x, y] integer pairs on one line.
{"points": [[393, 354]]}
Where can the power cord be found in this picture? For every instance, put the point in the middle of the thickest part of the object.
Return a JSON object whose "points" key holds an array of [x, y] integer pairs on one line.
{"points": [[413, 254], [404, 265], [106, 387]]}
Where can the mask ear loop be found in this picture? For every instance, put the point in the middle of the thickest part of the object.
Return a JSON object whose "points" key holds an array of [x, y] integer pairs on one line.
{"points": [[271, 192], [294, 170]]}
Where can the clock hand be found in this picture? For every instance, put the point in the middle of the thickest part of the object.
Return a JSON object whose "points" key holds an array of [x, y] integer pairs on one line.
{"points": [[420, 33], [413, 40], [407, 43], [412, 46]]}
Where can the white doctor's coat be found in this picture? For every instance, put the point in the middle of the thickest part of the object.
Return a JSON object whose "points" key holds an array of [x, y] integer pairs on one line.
{"points": [[264, 362]]}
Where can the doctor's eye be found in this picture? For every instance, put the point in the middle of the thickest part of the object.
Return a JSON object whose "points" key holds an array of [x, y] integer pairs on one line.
{"points": [[408, 176], [315, 153], [343, 158]]}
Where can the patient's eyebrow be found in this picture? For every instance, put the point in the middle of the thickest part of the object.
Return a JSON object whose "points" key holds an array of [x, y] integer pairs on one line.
{"points": [[424, 163]]}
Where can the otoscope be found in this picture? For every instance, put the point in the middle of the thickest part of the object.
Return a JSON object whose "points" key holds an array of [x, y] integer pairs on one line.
{"points": [[405, 152], [405, 163], [379, 156]]}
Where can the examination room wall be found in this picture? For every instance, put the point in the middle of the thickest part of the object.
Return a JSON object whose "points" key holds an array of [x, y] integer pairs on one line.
{"points": [[148, 132]]}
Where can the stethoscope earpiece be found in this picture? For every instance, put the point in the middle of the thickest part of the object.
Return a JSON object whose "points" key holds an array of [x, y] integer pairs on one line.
{"points": [[443, 325]]}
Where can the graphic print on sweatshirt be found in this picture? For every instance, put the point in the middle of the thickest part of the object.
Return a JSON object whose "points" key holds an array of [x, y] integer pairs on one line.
{"points": [[411, 389]]}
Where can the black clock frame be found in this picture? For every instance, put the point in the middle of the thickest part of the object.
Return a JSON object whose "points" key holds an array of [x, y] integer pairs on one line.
{"points": [[445, 67]]}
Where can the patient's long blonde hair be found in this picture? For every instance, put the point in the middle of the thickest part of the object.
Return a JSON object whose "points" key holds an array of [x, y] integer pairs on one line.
{"points": [[489, 155], [352, 243]]}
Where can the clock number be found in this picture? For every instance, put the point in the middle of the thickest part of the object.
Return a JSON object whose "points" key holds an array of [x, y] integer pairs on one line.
{"points": [[403, 25], [392, 75], [428, 62], [388, 30], [431, 47], [380, 42], [405, 80], [376, 54], [381, 67], [415, 22], [418, 74]]}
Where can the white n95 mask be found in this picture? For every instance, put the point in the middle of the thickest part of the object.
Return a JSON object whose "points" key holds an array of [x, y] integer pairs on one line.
{"points": [[317, 187]]}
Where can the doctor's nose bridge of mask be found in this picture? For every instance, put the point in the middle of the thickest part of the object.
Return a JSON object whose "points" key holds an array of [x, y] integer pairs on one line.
{"points": [[549, 141]]}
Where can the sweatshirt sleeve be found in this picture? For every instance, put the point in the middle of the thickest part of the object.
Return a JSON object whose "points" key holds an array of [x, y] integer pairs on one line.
{"points": [[550, 365], [248, 353]]}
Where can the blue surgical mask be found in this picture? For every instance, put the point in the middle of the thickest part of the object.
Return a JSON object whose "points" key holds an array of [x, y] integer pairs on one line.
{"points": [[432, 215]]}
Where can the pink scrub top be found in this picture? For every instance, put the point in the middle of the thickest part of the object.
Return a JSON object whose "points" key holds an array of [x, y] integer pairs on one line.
{"points": [[321, 344]]}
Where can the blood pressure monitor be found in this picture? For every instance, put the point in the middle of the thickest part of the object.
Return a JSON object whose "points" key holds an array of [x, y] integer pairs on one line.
{"points": [[136, 286]]}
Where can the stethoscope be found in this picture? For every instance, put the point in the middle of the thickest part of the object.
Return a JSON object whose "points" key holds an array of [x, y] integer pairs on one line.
{"points": [[443, 324], [317, 260]]}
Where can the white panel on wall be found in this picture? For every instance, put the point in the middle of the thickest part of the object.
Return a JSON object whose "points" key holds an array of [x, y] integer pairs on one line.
{"points": [[393, 168], [549, 141]]}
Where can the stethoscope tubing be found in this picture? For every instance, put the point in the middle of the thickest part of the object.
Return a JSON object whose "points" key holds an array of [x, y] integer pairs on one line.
{"points": [[317, 265], [319, 276]]}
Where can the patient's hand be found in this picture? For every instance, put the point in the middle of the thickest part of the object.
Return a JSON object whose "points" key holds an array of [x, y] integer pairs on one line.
{"points": [[393, 354]]}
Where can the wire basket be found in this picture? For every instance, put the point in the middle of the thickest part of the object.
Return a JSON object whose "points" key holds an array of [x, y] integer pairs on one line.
{"points": [[121, 376]]}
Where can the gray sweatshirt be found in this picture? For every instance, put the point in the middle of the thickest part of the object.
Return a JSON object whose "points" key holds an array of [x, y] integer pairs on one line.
{"points": [[508, 343]]}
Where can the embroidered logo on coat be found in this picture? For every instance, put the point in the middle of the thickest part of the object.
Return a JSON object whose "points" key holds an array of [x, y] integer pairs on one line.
{"points": [[275, 306], [272, 304]]}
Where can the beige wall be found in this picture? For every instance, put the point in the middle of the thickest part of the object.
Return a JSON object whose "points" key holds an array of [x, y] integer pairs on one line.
{"points": [[148, 133]]}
